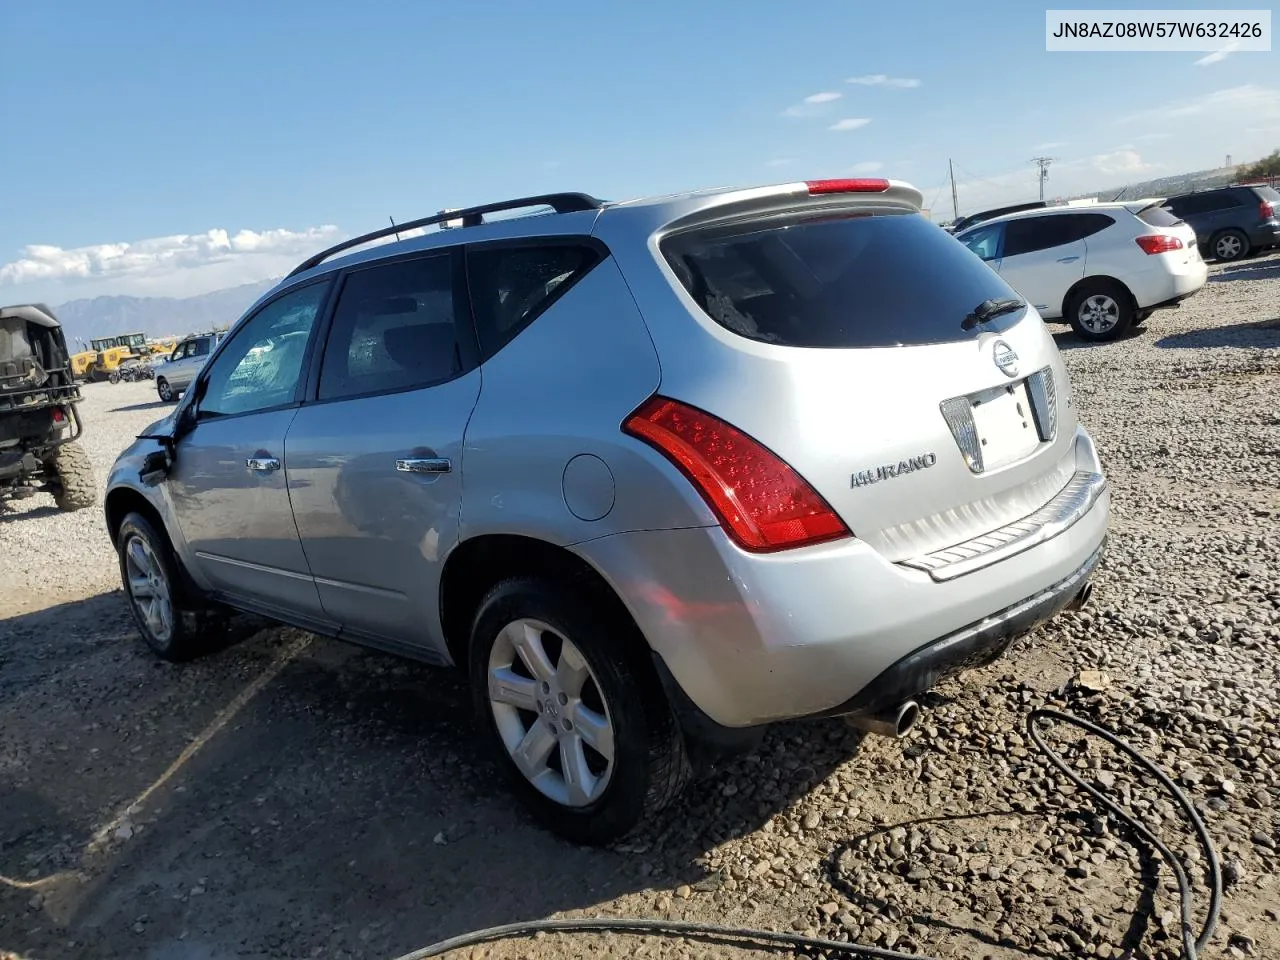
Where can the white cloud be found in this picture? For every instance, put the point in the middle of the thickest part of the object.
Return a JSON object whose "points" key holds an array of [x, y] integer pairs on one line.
{"points": [[1120, 162], [812, 105], [881, 80], [1218, 55], [866, 166], [849, 123], [1249, 102], [175, 264]]}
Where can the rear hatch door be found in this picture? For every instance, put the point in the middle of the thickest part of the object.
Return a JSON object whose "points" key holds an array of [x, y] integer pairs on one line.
{"points": [[847, 344]]}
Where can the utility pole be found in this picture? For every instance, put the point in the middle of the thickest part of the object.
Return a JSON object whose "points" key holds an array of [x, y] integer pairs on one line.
{"points": [[1043, 163], [955, 204]]}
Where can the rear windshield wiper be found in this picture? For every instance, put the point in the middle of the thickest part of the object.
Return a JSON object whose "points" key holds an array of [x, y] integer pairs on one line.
{"points": [[990, 309]]}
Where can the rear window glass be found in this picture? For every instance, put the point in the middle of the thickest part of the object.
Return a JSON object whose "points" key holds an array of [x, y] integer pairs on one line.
{"points": [[849, 280], [1158, 217], [1268, 193]]}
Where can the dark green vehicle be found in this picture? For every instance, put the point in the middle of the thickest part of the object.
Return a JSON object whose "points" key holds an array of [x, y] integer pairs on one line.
{"points": [[39, 424]]}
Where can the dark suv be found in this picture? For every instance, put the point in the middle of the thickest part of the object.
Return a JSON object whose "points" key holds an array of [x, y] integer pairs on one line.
{"points": [[1231, 222]]}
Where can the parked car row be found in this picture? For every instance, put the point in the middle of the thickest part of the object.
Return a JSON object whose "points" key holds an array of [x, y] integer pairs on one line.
{"points": [[655, 474], [1105, 267]]}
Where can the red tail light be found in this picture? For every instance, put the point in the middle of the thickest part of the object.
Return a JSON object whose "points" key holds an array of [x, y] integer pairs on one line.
{"points": [[1159, 243], [761, 502], [1266, 209], [58, 415], [856, 185]]}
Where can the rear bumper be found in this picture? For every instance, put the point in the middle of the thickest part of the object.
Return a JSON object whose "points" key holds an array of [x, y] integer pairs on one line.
{"points": [[1265, 234], [751, 639], [1164, 286]]}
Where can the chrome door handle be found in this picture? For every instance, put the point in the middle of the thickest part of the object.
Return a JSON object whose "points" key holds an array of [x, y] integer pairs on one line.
{"points": [[429, 465], [1068, 259], [262, 464]]}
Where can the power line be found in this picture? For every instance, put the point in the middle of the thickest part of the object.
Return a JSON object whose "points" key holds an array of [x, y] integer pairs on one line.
{"points": [[1043, 163]]}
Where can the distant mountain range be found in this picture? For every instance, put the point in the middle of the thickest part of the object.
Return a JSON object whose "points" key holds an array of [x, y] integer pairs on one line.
{"points": [[156, 316], [1168, 186]]}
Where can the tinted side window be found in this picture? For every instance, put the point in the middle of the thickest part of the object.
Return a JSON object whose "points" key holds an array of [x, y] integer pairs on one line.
{"points": [[394, 328], [179, 352], [984, 241], [262, 364], [1205, 203], [1081, 225], [1029, 234], [511, 286], [199, 348]]}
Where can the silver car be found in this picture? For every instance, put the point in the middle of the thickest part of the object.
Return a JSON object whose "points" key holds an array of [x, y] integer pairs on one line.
{"points": [[188, 357], [655, 474]]}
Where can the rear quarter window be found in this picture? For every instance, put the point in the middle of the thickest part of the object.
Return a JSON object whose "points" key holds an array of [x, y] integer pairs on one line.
{"points": [[846, 280], [1158, 217], [511, 285]]}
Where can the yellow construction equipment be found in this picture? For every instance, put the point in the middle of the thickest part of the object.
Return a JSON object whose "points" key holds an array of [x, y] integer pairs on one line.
{"points": [[82, 362]]}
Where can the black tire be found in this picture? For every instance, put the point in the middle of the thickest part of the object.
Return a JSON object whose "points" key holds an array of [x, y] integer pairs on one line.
{"points": [[649, 767], [73, 485], [1100, 310], [192, 624], [164, 390], [114, 376], [1230, 245]]}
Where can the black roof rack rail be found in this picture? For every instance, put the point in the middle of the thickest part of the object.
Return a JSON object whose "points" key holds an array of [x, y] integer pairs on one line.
{"points": [[470, 217], [973, 219]]}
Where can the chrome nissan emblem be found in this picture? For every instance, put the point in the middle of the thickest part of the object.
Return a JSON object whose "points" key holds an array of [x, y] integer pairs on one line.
{"points": [[1005, 358]]}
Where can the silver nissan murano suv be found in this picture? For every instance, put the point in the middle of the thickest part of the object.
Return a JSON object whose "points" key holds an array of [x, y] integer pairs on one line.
{"points": [[654, 473]]}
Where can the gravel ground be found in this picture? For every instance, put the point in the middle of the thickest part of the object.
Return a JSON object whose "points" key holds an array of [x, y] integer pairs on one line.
{"points": [[295, 797]]}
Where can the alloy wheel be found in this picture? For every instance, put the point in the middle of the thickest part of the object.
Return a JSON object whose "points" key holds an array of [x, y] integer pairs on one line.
{"points": [[550, 713], [1099, 313], [148, 588]]}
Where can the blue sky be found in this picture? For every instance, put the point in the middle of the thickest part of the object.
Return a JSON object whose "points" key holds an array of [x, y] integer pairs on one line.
{"points": [[171, 148]]}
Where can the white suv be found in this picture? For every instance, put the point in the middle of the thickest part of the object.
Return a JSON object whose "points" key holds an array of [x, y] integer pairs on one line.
{"points": [[1101, 267]]}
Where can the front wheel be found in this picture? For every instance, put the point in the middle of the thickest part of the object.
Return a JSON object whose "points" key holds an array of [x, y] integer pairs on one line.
{"points": [[1101, 310], [114, 376], [164, 390], [573, 711], [173, 627]]}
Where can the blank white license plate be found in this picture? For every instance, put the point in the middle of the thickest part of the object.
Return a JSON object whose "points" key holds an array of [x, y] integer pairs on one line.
{"points": [[1005, 424]]}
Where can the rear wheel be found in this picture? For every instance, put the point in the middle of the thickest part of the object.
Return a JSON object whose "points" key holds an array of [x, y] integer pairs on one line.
{"points": [[73, 485], [573, 710], [164, 389], [174, 626], [1101, 310], [1230, 245]]}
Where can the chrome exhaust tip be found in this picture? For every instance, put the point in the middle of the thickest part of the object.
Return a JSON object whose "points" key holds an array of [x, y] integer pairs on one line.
{"points": [[1081, 598], [894, 722]]}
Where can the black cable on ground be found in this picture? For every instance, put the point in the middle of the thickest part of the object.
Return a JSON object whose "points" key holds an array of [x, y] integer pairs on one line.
{"points": [[773, 940], [1190, 947]]}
